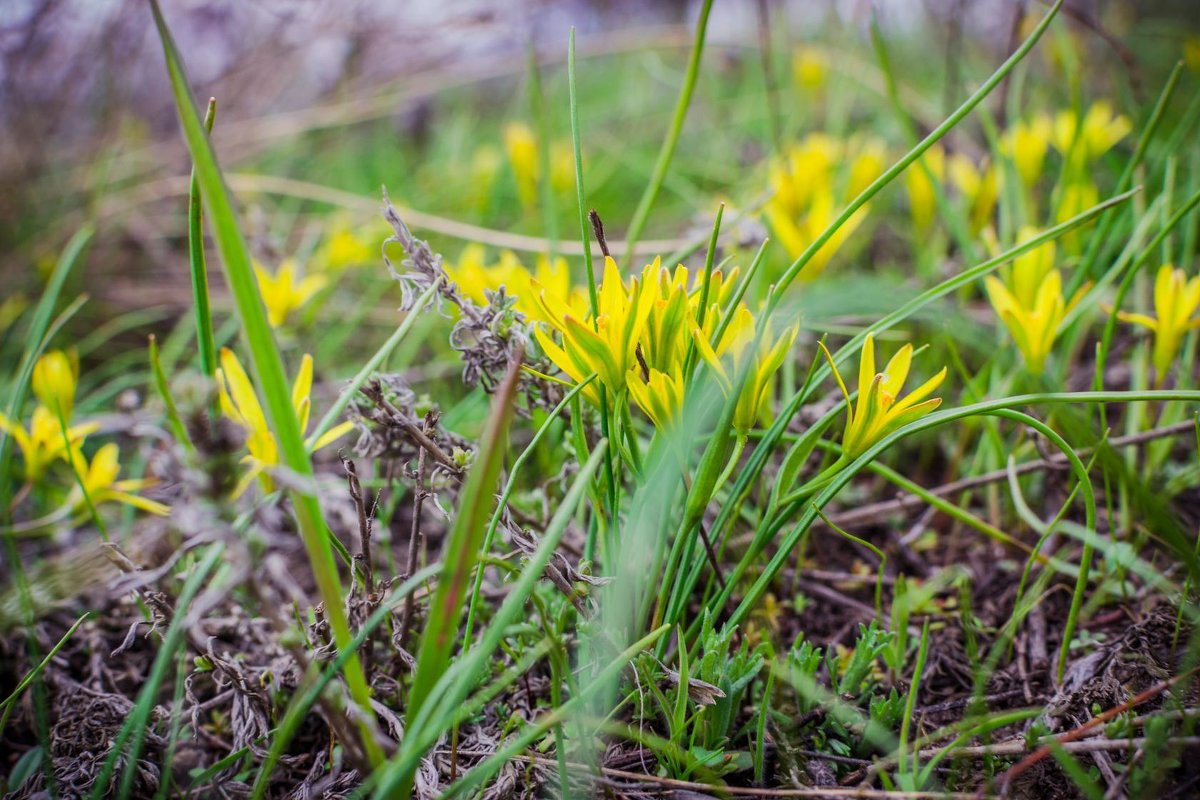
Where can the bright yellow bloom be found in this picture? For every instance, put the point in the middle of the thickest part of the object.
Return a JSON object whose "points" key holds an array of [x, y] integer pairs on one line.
{"points": [[1030, 269], [1086, 140], [796, 234], [43, 443], [54, 378], [977, 186], [1176, 302], [1026, 143], [345, 246], [521, 145], [562, 166], [239, 402], [99, 478], [606, 345], [879, 409], [754, 400], [868, 164], [921, 180], [474, 277], [661, 397], [809, 69], [285, 291], [1033, 326]]}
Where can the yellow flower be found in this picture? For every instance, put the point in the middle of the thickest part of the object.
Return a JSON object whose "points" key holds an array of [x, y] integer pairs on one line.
{"points": [[607, 345], [879, 409], [1030, 269], [1077, 196], [99, 478], [754, 401], [1191, 53], [1026, 143], [239, 402], [809, 69], [54, 378], [562, 166], [797, 234], [43, 443], [867, 165], [475, 277], [285, 291], [344, 246], [978, 187], [1033, 325], [521, 145], [661, 397], [1176, 302], [1086, 140], [921, 180]]}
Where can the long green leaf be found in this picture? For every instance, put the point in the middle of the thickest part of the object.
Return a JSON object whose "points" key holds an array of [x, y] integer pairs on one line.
{"points": [[268, 368], [461, 551]]}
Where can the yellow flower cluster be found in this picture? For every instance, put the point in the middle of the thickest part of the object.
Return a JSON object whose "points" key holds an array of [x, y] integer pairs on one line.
{"points": [[475, 276], [51, 437], [286, 290], [811, 185], [646, 327], [977, 187]]}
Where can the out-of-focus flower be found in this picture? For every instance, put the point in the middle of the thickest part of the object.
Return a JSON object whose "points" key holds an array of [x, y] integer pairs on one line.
{"points": [[43, 442], [1176, 303], [475, 277], [99, 479], [978, 187], [1026, 143], [12, 307], [922, 179], [347, 246], [54, 377], [485, 165], [239, 402], [879, 409], [1075, 197], [1191, 53], [285, 291], [1030, 269], [521, 145], [1082, 141], [1033, 325], [809, 69], [809, 189]]}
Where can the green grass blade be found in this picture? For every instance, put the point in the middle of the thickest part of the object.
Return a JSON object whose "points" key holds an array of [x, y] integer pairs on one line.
{"points": [[267, 366], [461, 551], [10, 701], [205, 340], [164, 393], [638, 223], [451, 691]]}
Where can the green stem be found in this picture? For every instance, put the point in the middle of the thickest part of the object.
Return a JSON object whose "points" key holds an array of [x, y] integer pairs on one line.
{"points": [[638, 223]]}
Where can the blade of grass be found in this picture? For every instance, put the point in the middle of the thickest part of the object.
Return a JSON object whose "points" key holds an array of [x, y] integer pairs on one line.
{"points": [[205, 341], [268, 367], [164, 393], [461, 553], [447, 697], [638, 223]]}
